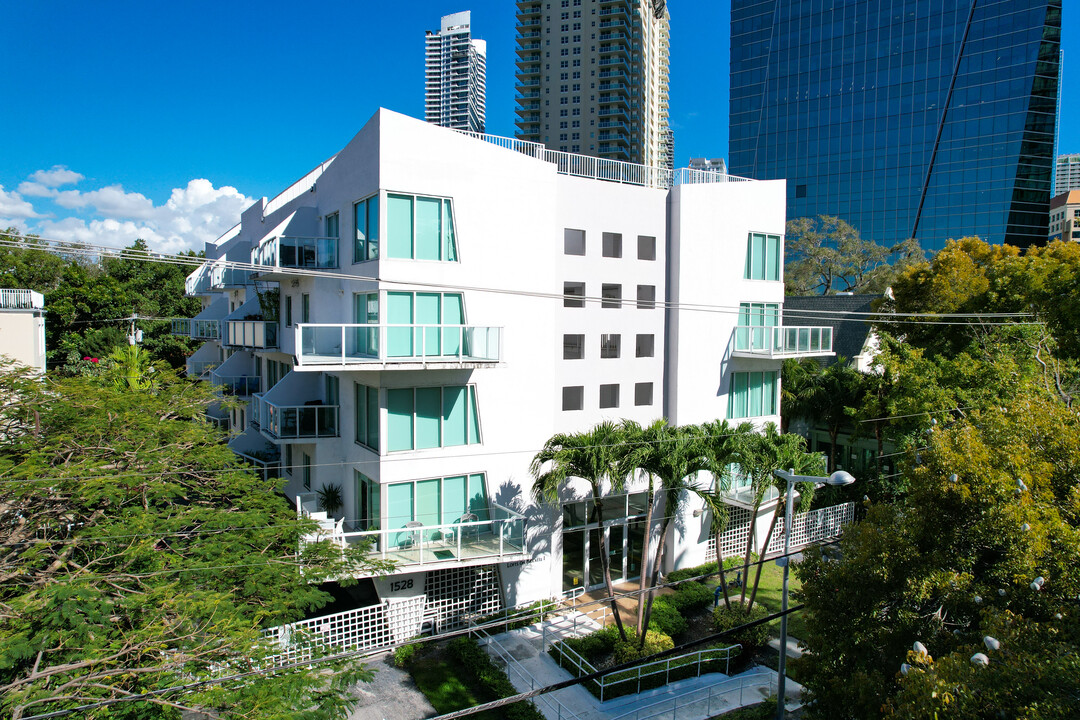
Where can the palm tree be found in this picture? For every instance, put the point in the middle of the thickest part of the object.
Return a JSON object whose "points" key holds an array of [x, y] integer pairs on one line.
{"points": [[637, 445], [759, 456], [674, 455], [723, 444], [592, 456], [799, 389]]}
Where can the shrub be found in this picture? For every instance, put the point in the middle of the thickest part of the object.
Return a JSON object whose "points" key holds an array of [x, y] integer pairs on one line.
{"points": [[708, 568], [725, 619], [404, 656], [654, 642], [691, 596], [595, 645], [492, 680], [666, 618]]}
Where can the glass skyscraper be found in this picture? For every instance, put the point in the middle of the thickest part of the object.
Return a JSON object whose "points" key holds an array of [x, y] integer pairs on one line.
{"points": [[931, 119]]}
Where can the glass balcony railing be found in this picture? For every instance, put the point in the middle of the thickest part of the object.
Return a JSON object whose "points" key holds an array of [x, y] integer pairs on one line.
{"points": [[293, 422], [181, 327], [227, 277], [297, 252], [200, 368], [346, 344], [205, 329], [239, 385], [468, 540], [783, 341], [256, 334]]}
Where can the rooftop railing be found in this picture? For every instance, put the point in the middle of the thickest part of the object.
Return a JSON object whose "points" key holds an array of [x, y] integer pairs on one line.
{"points": [[11, 299], [333, 344], [783, 341], [610, 170]]}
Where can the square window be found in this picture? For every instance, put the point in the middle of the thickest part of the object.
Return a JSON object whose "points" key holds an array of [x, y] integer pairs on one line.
{"points": [[646, 297], [574, 294], [573, 347], [611, 295], [573, 242], [645, 345], [646, 247], [573, 398], [609, 346], [800, 191], [643, 393], [609, 396], [613, 245]]}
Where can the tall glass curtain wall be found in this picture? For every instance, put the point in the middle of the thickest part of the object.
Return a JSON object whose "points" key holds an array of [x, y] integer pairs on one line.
{"points": [[847, 99]]}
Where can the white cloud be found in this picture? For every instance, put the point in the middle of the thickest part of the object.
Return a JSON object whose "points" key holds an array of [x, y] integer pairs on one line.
{"points": [[55, 177], [192, 216], [13, 206]]}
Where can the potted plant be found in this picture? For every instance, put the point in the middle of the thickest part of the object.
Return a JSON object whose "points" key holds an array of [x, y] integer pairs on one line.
{"points": [[330, 499]]}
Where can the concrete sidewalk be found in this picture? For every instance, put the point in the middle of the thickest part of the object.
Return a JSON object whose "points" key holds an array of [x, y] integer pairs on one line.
{"points": [[528, 666]]}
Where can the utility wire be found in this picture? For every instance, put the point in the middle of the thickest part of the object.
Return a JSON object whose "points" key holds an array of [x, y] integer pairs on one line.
{"points": [[888, 318]]}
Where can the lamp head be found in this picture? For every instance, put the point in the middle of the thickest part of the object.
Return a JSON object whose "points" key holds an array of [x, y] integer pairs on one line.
{"points": [[840, 477]]}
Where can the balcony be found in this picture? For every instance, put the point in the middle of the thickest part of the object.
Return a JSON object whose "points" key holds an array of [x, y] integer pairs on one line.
{"points": [[251, 334], [223, 278], [467, 541], [296, 422], [387, 347], [181, 327], [198, 282], [238, 385], [782, 342], [297, 252], [21, 300]]}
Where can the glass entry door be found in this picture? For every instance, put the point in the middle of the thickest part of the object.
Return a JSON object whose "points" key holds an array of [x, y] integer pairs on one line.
{"points": [[582, 553]]}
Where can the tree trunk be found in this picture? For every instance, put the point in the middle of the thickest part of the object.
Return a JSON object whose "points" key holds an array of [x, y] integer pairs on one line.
{"points": [[752, 530], [720, 567], [656, 570], [645, 576], [834, 432], [764, 551], [605, 564]]}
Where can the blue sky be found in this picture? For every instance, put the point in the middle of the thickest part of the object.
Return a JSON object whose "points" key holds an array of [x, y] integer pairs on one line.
{"points": [[162, 120]]}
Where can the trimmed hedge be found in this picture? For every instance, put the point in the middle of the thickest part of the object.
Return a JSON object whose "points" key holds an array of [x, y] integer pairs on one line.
{"points": [[725, 619], [629, 651], [691, 596], [708, 568], [488, 676], [666, 617]]}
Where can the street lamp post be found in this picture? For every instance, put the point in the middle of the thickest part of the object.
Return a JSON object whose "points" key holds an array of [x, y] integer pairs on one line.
{"points": [[837, 478]]}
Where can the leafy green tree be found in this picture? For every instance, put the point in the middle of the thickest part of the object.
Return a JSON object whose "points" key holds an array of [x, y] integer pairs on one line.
{"points": [[137, 554], [34, 268], [826, 254], [799, 388], [991, 508], [594, 457]]}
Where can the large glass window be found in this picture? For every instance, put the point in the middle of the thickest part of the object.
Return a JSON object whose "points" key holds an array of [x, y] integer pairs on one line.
{"points": [[422, 314], [368, 502], [752, 394], [436, 501], [367, 416], [366, 242], [421, 418], [420, 228], [755, 319], [763, 257], [332, 225]]}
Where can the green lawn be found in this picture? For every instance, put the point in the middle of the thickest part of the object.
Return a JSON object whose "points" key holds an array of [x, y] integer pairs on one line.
{"points": [[770, 595]]}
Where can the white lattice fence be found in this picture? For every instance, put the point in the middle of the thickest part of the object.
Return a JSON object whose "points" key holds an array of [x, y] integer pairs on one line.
{"points": [[813, 526], [454, 593], [733, 541], [364, 628]]}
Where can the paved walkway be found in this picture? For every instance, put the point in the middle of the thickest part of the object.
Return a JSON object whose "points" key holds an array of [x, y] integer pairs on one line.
{"points": [[391, 695], [530, 667]]}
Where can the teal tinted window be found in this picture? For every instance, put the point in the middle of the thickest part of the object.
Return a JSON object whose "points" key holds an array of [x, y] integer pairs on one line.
{"points": [[366, 219], [433, 502], [455, 498], [763, 257], [421, 418], [428, 228], [399, 226], [752, 394], [399, 419], [422, 316], [399, 505]]}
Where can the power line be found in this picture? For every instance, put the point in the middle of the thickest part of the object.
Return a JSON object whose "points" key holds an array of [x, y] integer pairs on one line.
{"points": [[887, 318]]}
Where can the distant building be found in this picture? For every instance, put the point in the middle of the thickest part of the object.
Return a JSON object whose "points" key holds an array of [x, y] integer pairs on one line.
{"points": [[1065, 216], [712, 164], [22, 327], [1067, 173], [592, 78], [908, 119], [455, 75]]}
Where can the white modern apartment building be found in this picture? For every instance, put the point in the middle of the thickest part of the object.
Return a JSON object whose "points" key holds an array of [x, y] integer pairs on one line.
{"points": [[429, 307], [592, 78], [455, 75], [22, 327]]}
